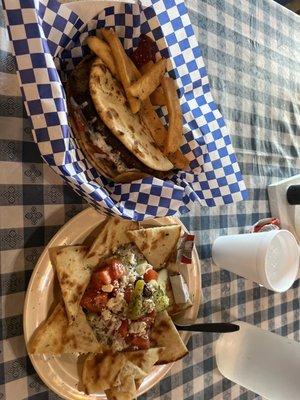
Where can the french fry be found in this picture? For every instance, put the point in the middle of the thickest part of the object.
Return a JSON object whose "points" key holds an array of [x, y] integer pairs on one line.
{"points": [[122, 63], [153, 123], [175, 129], [145, 68], [178, 160], [148, 82], [133, 73], [102, 50], [160, 134], [158, 97]]}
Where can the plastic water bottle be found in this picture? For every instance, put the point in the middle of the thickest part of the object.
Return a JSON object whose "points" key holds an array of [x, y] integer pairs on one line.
{"points": [[261, 361]]}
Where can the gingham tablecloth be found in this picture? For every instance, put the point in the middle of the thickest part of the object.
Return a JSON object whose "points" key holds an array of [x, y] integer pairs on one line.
{"points": [[252, 53]]}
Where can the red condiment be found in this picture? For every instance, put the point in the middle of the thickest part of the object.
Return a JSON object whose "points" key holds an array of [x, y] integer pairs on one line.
{"points": [[145, 52]]}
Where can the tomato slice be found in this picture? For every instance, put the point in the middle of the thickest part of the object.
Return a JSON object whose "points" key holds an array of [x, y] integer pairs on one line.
{"points": [[100, 277], [109, 271], [94, 301], [145, 52], [148, 318], [128, 294], [140, 342], [123, 330], [149, 275], [116, 269]]}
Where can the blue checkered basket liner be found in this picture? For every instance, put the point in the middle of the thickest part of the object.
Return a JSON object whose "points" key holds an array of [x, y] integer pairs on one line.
{"points": [[49, 40]]}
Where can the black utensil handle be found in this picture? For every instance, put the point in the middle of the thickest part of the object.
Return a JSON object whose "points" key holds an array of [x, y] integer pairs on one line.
{"points": [[293, 194], [218, 327]]}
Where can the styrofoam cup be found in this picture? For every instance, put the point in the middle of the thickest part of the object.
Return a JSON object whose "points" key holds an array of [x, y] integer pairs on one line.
{"points": [[267, 258], [261, 361]]}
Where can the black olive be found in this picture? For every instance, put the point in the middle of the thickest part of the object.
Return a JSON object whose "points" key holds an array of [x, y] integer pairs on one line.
{"points": [[147, 291]]}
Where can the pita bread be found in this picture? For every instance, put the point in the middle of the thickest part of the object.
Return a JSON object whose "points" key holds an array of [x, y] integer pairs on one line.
{"points": [[156, 243], [118, 374], [100, 372], [126, 389], [145, 360], [56, 336], [73, 276], [112, 236], [165, 334], [112, 106]]}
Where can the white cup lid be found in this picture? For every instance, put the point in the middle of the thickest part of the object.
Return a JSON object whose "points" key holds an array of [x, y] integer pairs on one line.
{"points": [[279, 261]]}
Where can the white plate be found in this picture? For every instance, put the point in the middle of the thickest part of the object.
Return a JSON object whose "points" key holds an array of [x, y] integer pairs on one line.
{"points": [[61, 374]]}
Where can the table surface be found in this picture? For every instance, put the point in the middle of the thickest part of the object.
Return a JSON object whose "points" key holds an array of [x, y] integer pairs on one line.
{"points": [[252, 56]]}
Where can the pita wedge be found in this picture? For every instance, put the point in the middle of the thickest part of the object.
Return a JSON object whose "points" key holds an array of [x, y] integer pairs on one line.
{"points": [[73, 275], [112, 106], [56, 336], [126, 388], [100, 372], [118, 374], [112, 236], [145, 359], [156, 243], [165, 334]]}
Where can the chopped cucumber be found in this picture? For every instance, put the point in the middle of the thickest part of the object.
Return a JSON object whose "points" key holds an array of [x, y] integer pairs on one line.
{"points": [[161, 300], [162, 277]]}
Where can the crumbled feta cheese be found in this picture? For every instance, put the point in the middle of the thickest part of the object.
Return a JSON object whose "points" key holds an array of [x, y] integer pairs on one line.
{"points": [[116, 304], [118, 344], [131, 258], [138, 327], [106, 315], [132, 275], [148, 305], [141, 268], [108, 288]]}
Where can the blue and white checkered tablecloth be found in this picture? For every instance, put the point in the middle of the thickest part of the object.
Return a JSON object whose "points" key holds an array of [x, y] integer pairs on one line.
{"points": [[252, 53]]}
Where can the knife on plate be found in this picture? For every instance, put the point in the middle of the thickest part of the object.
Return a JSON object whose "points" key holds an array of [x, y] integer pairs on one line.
{"points": [[218, 327]]}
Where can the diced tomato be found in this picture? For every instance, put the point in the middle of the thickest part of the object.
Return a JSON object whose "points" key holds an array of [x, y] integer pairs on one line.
{"points": [[123, 330], [140, 342], [100, 277], [145, 52], [109, 271], [128, 294], [148, 318], [150, 274], [94, 301], [116, 269]]}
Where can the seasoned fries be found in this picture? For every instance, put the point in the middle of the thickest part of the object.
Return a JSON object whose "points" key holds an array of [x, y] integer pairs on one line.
{"points": [[160, 134], [175, 130], [121, 62], [146, 67], [158, 97], [152, 121], [102, 50], [148, 82], [143, 91], [178, 160]]}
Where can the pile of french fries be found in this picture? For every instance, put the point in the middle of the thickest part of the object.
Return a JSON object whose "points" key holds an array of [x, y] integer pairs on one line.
{"points": [[144, 89]]}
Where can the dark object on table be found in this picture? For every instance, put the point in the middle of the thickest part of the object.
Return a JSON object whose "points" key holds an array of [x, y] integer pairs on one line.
{"points": [[293, 194], [219, 327]]}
